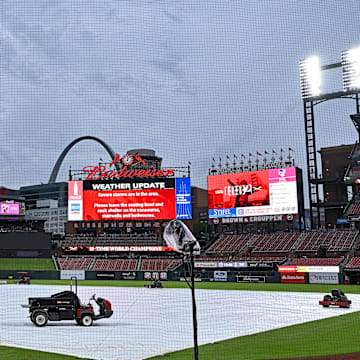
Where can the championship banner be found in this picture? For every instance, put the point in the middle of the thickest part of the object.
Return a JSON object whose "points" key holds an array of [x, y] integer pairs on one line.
{"points": [[129, 248]]}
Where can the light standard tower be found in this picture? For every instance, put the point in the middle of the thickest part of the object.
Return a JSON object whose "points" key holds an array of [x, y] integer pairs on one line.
{"points": [[310, 82]]}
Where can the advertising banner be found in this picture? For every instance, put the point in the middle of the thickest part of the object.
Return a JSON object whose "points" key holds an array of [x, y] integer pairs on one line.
{"points": [[250, 278], [306, 268], [285, 268], [183, 198], [324, 278], [220, 276], [75, 200], [105, 275], [232, 264], [253, 193], [128, 275], [221, 264], [297, 278], [163, 275], [205, 264], [9, 208], [68, 274]]}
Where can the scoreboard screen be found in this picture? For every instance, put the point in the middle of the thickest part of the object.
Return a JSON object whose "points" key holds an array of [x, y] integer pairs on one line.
{"points": [[130, 199], [12, 208], [262, 192]]}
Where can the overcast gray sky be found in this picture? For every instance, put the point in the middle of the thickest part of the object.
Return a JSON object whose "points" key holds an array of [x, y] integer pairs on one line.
{"points": [[190, 79]]}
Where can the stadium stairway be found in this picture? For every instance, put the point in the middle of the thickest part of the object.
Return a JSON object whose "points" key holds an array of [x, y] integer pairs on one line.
{"points": [[355, 246], [298, 241], [350, 205], [138, 266], [92, 263], [57, 266]]}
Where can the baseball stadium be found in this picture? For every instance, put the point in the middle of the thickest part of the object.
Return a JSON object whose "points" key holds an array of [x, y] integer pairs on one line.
{"points": [[180, 180]]}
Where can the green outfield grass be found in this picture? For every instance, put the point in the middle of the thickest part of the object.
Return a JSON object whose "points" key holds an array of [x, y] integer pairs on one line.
{"points": [[352, 289], [26, 264], [332, 336], [10, 353]]}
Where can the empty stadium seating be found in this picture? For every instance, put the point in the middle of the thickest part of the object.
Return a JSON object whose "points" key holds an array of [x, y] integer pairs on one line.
{"points": [[354, 263], [278, 242], [334, 241], [159, 264], [355, 209], [75, 263], [129, 240], [230, 243], [110, 240], [115, 264]]}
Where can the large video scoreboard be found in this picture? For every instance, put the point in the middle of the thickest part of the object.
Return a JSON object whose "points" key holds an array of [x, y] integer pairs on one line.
{"points": [[130, 199], [12, 208], [254, 193]]}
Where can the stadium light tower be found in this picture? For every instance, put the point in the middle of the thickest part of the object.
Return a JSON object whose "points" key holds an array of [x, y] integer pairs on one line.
{"points": [[310, 77], [350, 61], [310, 83]]}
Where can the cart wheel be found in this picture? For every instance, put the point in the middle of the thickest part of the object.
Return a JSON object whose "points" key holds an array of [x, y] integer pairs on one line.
{"points": [[40, 318], [86, 320], [78, 321]]}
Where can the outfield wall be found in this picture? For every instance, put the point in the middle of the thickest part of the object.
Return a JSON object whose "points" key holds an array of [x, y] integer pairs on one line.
{"points": [[273, 277]]}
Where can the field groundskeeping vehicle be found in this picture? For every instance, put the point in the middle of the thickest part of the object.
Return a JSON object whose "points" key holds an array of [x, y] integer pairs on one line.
{"points": [[337, 298], [154, 284], [23, 278], [66, 305]]}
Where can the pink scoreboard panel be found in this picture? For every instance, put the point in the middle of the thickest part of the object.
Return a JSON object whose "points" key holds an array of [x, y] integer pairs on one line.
{"points": [[12, 208], [253, 193]]}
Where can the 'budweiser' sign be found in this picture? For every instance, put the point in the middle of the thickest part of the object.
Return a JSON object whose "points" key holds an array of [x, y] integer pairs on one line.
{"points": [[126, 163]]}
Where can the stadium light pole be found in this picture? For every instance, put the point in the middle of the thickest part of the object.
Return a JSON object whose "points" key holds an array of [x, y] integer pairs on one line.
{"points": [[193, 300], [310, 83], [180, 238]]}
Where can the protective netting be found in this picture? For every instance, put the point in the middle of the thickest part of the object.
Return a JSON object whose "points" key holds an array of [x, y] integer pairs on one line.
{"points": [[206, 85]]}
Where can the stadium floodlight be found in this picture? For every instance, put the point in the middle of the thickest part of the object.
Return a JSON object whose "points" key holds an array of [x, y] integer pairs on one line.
{"points": [[310, 77], [178, 236], [350, 62]]}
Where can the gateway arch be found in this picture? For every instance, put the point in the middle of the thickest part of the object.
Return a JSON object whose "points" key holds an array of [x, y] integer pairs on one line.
{"points": [[60, 159]]}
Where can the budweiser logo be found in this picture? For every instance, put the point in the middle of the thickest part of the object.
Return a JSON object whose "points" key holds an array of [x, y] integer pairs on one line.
{"points": [[126, 163]]}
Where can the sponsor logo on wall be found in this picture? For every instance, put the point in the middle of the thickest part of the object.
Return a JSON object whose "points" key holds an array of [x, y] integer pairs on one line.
{"points": [[323, 278], [293, 278]]}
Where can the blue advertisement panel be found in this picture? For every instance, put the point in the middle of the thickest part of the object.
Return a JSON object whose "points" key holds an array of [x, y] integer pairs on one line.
{"points": [[183, 198]]}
